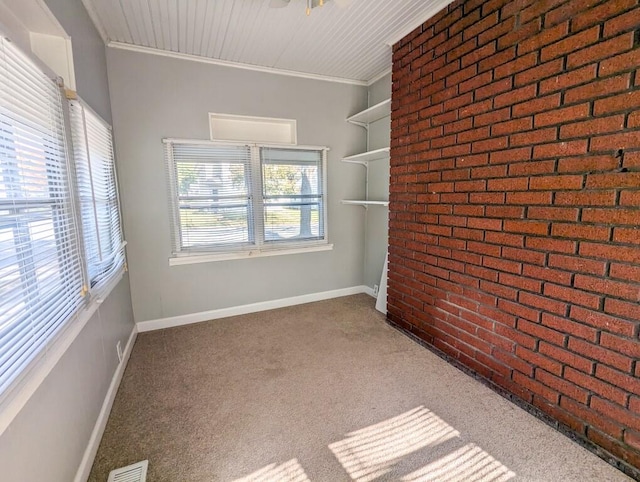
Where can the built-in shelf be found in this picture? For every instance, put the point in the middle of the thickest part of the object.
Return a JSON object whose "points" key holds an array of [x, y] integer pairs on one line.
{"points": [[365, 202], [372, 114], [367, 156]]}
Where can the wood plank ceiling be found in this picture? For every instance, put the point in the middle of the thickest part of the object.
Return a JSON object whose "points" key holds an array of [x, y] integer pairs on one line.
{"points": [[347, 42]]}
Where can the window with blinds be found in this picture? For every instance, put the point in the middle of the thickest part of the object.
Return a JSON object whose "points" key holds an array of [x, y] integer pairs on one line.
{"points": [[41, 276], [245, 197], [97, 194]]}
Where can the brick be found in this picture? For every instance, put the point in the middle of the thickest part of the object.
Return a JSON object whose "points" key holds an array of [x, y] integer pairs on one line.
{"points": [[529, 227], [489, 144], [619, 63], [561, 149], [586, 198], [616, 412], [553, 213], [574, 296], [548, 36], [539, 72], [565, 325], [611, 216], [596, 386], [626, 346], [546, 304], [528, 198], [595, 126], [600, 88], [606, 322], [578, 264], [510, 155], [557, 182], [630, 198], [566, 11], [545, 392], [580, 231], [620, 253], [566, 357], [626, 235], [491, 117], [489, 171], [514, 96], [538, 360], [502, 265], [504, 212], [537, 136], [524, 255], [539, 104], [611, 142], [520, 282], [522, 62], [625, 272], [607, 286], [600, 354], [506, 239], [619, 379], [552, 245], [508, 184], [570, 44], [519, 310], [601, 50], [532, 167], [613, 180], [521, 32], [626, 21], [494, 88], [599, 13], [616, 103], [562, 81], [563, 386]]}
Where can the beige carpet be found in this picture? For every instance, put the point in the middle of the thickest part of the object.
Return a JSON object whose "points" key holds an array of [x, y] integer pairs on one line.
{"points": [[322, 392]]}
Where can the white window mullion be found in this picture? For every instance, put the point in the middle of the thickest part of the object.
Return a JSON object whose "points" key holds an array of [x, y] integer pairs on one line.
{"points": [[257, 199]]}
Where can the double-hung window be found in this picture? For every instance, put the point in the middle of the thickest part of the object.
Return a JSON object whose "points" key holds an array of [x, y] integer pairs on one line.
{"points": [[59, 215], [41, 275], [247, 198], [97, 194]]}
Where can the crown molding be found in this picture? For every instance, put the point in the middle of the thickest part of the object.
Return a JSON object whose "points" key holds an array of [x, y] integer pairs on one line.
{"points": [[376, 78], [236, 65]]}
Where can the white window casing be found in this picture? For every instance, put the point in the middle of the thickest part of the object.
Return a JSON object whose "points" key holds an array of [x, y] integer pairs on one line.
{"points": [[238, 200]]}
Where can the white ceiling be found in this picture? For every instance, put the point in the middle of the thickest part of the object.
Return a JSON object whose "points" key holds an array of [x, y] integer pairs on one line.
{"points": [[347, 43]]}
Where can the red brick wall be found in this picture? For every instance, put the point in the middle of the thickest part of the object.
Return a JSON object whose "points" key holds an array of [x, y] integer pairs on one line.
{"points": [[515, 203]]}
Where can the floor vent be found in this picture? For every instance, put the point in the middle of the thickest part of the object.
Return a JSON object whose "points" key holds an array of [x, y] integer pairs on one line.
{"points": [[131, 473]]}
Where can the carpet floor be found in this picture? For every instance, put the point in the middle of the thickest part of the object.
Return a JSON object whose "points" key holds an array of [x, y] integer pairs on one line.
{"points": [[321, 392]]}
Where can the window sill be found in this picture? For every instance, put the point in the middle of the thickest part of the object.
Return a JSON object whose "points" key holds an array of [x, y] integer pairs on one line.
{"points": [[212, 257]]}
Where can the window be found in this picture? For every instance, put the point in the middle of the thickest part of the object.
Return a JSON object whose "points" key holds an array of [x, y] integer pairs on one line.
{"points": [[238, 197], [97, 193], [41, 279]]}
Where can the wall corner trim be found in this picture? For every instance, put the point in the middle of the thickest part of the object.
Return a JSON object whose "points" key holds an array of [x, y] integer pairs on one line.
{"points": [[181, 320], [96, 435]]}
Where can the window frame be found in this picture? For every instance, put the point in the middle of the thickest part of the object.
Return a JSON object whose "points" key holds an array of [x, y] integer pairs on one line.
{"points": [[259, 247]]}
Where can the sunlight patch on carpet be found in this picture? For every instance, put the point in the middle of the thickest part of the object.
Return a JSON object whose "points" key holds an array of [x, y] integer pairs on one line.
{"points": [[467, 464], [290, 471], [371, 452]]}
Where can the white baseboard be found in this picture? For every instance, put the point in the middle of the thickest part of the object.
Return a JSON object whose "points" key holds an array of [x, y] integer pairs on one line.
{"points": [[369, 291], [180, 320], [94, 442]]}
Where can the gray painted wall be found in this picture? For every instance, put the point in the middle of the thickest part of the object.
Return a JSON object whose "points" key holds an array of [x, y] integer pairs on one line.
{"points": [[88, 54], [155, 97], [47, 439], [377, 227]]}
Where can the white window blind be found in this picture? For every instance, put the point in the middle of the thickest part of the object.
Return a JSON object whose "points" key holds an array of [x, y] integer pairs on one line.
{"points": [[97, 193], [41, 280], [293, 194], [245, 197]]}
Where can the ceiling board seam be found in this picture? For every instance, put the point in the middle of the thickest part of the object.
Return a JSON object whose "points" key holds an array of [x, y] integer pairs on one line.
{"points": [[237, 65]]}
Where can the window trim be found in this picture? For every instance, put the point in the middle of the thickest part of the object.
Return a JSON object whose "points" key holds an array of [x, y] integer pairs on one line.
{"points": [[225, 253]]}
